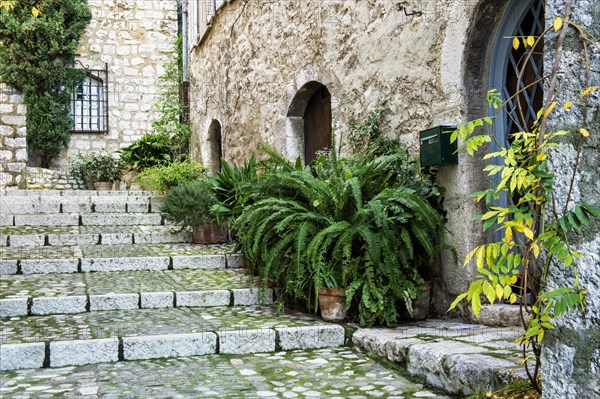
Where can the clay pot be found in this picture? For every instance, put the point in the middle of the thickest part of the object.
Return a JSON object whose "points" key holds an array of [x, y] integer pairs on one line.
{"points": [[210, 233], [103, 186], [421, 303], [332, 303]]}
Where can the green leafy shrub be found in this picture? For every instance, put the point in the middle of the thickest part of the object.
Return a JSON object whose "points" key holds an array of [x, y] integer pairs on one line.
{"points": [[151, 150], [189, 203], [97, 167], [165, 177], [36, 58], [341, 222]]}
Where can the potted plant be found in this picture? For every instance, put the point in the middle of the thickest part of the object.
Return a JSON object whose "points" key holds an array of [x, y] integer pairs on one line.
{"points": [[99, 171], [332, 298], [189, 205]]}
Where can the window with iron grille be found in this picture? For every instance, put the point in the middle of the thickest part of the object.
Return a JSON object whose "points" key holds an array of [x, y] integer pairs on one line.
{"points": [[90, 102]]}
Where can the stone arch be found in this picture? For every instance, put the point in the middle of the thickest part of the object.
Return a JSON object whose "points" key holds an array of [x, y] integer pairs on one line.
{"points": [[309, 121], [215, 148]]}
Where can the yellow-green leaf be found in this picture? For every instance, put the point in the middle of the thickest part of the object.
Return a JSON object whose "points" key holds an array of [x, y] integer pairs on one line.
{"points": [[35, 11], [568, 105], [513, 298], [516, 43], [476, 304], [528, 233], [584, 132], [549, 109], [507, 291], [530, 40], [489, 292], [558, 22], [499, 291]]}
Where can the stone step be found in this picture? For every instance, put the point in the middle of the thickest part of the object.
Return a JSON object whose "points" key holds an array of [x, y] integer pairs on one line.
{"points": [[42, 294], [329, 373], [81, 219], [78, 204], [111, 258], [450, 355], [76, 193], [100, 337], [22, 236]]}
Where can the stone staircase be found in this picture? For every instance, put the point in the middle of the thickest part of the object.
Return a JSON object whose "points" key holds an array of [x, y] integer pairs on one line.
{"points": [[92, 277]]}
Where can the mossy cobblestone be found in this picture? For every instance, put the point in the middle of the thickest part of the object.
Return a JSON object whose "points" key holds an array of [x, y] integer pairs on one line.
{"points": [[325, 373]]}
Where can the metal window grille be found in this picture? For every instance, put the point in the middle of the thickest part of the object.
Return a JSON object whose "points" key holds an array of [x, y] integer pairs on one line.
{"points": [[531, 86], [90, 102]]}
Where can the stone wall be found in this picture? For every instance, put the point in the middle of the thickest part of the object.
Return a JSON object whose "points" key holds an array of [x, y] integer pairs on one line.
{"points": [[136, 39], [13, 144], [252, 66], [571, 354]]}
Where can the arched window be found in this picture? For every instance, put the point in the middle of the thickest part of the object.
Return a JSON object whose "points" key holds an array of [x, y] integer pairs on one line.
{"points": [[214, 147], [522, 19]]}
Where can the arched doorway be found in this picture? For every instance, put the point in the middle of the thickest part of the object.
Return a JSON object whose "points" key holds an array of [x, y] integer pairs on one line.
{"points": [[521, 20], [310, 121], [214, 147]]}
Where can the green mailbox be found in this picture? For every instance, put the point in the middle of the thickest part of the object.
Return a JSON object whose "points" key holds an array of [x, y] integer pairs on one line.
{"points": [[435, 147]]}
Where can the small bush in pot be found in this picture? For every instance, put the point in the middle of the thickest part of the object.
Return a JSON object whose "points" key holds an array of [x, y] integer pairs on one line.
{"points": [[163, 178], [189, 205], [96, 167]]}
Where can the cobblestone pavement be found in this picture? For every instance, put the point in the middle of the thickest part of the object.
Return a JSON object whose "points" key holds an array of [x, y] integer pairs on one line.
{"points": [[341, 373], [52, 285]]}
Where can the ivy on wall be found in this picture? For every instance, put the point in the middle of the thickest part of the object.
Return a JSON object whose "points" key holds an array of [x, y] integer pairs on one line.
{"points": [[37, 52]]}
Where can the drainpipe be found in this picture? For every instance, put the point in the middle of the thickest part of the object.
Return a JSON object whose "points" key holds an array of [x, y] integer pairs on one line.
{"points": [[184, 50]]}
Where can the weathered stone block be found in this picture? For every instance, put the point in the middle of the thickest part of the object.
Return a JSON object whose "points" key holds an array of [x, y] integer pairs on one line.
{"points": [[76, 205], [8, 267], [116, 238], [236, 261], [162, 238], [62, 219], [141, 206], [319, 336], [127, 219], [154, 300], [27, 240], [158, 346], [42, 266], [199, 262], [22, 356], [81, 352], [73, 239], [59, 305], [6, 219], [124, 264], [203, 298], [109, 205], [13, 307], [242, 341], [114, 302], [252, 296]]}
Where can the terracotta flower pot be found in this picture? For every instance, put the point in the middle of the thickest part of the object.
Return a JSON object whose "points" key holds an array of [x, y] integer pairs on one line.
{"points": [[332, 303], [210, 233], [103, 186]]}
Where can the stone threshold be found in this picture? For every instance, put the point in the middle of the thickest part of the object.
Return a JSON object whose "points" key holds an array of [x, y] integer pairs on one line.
{"points": [[76, 193], [81, 219], [39, 306], [453, 356]]}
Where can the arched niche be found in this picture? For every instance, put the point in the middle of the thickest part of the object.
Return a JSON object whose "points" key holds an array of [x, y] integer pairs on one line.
{"points": [[215, 149]]}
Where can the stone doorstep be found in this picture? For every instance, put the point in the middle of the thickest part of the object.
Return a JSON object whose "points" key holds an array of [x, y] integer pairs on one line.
{"points": [[444, 363], [75, 193], [94, 351], [19, 306]]}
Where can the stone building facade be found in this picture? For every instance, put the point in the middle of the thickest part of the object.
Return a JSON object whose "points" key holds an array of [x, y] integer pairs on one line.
{"points": [[255, 67], [133, 40]]}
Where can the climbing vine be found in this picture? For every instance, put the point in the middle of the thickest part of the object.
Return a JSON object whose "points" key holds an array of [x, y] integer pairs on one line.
{"points": [[38, 41], [534, 231]]}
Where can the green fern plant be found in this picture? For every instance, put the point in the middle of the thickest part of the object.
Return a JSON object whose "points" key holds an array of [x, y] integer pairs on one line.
{"points": [[344, 222]]}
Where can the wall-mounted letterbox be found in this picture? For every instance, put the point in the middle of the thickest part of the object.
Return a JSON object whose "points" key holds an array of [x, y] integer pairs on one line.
{"points": [[435, 147]]}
